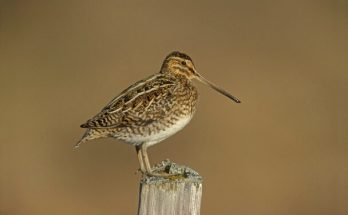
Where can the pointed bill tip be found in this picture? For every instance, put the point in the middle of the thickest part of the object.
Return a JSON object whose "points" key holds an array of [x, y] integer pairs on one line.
{"points": [[238, 101], [218, 89]]}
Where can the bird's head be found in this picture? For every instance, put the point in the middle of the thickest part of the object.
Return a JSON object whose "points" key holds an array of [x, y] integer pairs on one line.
{"points": [[178, 63]]}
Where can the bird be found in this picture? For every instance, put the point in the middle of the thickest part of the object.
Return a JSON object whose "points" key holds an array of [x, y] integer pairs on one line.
{"points": [[152, 109]]}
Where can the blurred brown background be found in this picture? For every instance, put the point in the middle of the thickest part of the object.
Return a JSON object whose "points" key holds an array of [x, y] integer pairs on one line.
{"points": [[284, 150]]}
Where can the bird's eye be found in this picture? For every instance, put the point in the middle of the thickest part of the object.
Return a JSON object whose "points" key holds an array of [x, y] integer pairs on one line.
{"points": [[183, 63]]}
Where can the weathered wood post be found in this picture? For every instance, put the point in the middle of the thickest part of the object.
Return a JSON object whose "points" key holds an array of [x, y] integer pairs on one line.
{"points": [[177, 195]]}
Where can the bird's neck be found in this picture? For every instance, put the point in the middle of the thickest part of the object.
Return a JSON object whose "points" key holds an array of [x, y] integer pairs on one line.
{"points": [[178, 77]]}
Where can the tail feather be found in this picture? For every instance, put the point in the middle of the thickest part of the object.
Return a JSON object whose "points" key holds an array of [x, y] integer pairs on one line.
{"points": [[89, 135], [77, 145]]}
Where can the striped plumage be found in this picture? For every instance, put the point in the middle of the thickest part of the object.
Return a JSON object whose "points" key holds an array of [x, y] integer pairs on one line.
{"points": [[145, 108], [152, 109]]}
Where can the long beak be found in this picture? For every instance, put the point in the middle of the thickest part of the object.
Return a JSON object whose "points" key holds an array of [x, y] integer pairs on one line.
{"points": [[220, 90]]}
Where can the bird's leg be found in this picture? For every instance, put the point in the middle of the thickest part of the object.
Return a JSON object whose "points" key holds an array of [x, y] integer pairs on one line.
{"points": [[148, 165], [140, 158], [145, 158]]}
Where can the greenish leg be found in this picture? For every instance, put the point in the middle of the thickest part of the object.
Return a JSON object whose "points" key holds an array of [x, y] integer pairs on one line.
{"points": [[140, 158], [148, 165]]}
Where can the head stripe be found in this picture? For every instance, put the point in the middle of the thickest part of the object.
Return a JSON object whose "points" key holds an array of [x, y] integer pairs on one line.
{"points": [[179, 55]]}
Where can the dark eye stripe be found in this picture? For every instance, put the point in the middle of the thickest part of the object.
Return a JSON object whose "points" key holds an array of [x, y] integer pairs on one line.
{"points": [[183, 63]]}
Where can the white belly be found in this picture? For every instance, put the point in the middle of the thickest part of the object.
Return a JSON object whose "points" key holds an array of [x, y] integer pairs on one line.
{"points": [[156, 137]]}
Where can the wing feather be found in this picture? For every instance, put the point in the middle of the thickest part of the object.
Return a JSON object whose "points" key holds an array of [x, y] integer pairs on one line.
{"points": [[137, 105]]}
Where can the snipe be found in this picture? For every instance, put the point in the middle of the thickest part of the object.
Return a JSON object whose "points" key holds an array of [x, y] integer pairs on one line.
{"points": [[152, 109]]}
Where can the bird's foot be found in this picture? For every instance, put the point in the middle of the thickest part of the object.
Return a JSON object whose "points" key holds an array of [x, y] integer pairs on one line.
{"points": [[142, 172], [162, 174]]}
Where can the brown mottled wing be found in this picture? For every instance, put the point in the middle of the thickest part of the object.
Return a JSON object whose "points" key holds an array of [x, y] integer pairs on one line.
{"points": [[138, 105]]}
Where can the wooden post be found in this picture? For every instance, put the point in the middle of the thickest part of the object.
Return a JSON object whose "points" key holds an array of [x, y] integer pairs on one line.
{"points": [[177, 195]]}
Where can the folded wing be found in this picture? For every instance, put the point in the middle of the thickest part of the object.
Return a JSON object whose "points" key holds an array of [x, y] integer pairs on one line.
{"points": [[139, 105]]}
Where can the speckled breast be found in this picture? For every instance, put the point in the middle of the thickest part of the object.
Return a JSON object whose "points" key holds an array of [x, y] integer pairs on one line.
{"points": [[175, 118]]}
